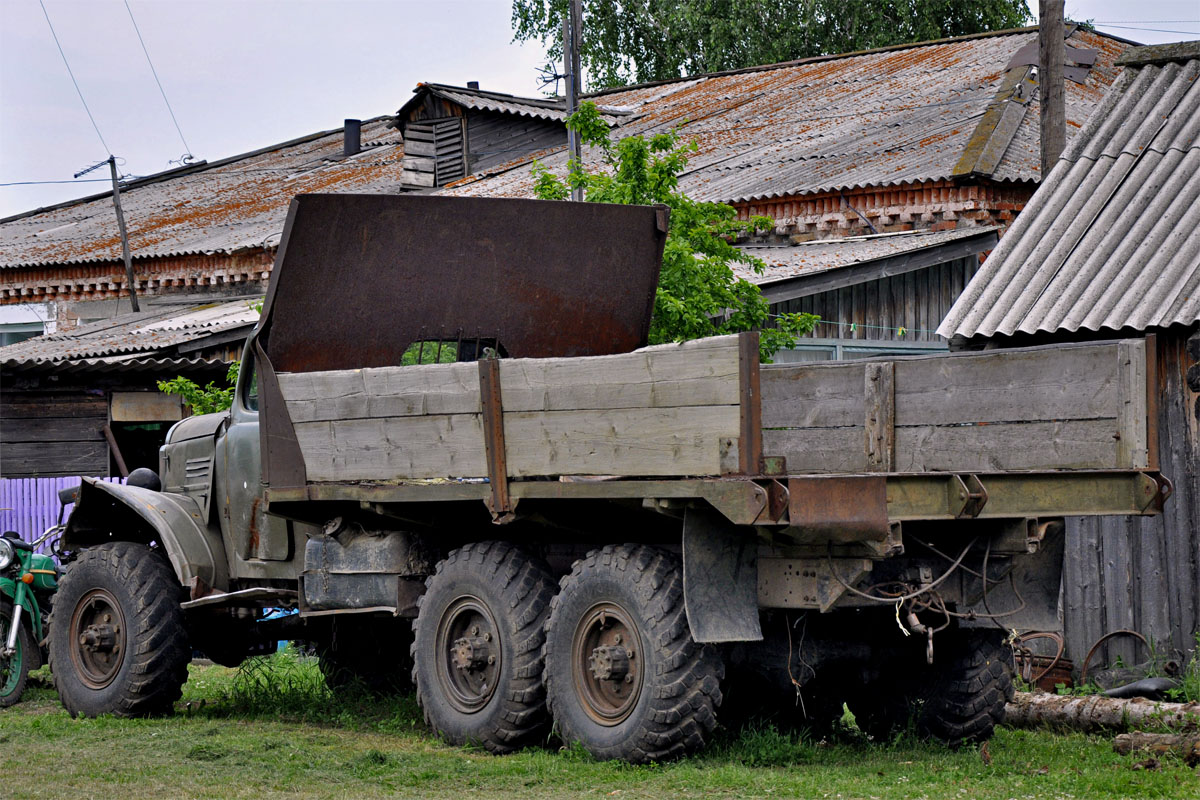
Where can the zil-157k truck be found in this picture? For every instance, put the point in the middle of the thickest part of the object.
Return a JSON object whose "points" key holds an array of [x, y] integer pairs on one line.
{"points": [[452, 453]]}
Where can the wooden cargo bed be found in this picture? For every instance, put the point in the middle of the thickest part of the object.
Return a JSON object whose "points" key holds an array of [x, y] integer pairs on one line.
{"points": [[701, 409]]}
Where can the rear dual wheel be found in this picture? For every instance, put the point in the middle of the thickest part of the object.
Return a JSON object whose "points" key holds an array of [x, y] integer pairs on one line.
{"points": [[623, 676], [477, 647]]}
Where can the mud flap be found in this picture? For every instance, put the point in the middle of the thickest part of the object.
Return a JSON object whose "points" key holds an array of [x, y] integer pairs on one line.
{"points": [[720, 578]]}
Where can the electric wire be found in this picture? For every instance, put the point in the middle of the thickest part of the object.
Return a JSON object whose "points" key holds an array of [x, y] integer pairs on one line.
{"points": [[187, 150], [904, 597], [72, 74]]}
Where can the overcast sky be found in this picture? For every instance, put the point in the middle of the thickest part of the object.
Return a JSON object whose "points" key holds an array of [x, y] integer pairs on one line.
{"points": [[242, 74]]}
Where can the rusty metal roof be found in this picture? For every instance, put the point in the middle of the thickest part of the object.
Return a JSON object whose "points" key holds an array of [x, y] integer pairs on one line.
{"points": [[1110, 241], [231, 205], [151, 333], [900, 115]]}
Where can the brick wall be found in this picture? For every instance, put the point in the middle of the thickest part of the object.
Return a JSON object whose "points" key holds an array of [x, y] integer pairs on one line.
{"points": [[240, 273], [933, 205]]}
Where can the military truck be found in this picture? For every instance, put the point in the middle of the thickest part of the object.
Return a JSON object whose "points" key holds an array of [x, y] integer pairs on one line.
{"points": [[452, 453]]}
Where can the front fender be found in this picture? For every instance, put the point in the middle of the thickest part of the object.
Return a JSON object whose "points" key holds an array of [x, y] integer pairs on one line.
{"points": [[8, 588], [112, 512]]}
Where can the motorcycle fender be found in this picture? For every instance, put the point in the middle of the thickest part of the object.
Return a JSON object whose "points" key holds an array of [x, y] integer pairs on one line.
{"points": [[9, 588], [107, 512]]}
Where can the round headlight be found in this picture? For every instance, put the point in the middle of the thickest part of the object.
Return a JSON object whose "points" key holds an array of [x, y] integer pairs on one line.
{"points": [[6, 553]]}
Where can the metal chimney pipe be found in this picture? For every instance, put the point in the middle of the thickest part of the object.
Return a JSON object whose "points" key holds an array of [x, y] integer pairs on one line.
{"points": [[353, 137]]}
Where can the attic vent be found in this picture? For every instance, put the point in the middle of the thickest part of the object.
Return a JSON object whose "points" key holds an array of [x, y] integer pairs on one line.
{"points": [[435, 152]]}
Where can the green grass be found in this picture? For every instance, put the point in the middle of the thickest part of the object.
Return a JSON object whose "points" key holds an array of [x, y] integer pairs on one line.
{"points": [[271, 730]]}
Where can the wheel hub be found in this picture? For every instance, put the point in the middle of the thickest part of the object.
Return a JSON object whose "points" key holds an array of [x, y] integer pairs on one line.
{"points": [[470, 654], [606, 663], [98, 631], [99, 638]]}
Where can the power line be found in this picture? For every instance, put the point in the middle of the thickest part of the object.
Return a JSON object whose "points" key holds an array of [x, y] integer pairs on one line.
{"points": [[72, 74], [187, 150], [1138, 28]]}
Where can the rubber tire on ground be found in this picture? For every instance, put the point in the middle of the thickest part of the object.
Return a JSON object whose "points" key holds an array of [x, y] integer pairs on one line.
{"points": [[967, 701], [369, 657], [515, 588], [676, 707], [15, 675], [156, 653], [959, 700]]}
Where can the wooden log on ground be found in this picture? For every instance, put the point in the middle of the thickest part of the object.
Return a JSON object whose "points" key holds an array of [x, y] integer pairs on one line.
{"points": [[1187, 746], [1096, 712]]}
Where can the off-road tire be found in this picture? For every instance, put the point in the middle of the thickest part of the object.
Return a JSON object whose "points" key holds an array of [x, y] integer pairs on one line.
{"points": [[513, 590], [371, 657], [959, 700], [14, 674], [675, 707], [968, 699], [154, 649]]}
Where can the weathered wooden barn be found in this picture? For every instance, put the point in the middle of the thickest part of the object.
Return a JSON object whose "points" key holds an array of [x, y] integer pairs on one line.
{"points": [[85, 401], [1109, 248]]}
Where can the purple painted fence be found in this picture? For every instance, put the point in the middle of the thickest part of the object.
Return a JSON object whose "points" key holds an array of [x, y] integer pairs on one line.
{"points": [[30, 505]]}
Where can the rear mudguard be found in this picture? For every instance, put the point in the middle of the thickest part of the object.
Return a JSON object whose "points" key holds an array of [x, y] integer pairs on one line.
{"points": [[109, 512], [8, 588]]}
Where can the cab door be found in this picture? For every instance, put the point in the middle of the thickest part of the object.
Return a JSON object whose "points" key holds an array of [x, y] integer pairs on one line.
{"points": [[253, 533]]}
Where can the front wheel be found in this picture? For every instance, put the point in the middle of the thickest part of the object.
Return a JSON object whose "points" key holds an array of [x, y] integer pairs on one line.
{"points": [[14, 669], [623, 676], [117, 639]]}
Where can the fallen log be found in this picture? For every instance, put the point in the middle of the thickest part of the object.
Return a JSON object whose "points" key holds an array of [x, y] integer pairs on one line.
{"points": [[1160, 744], [1096, 712]]}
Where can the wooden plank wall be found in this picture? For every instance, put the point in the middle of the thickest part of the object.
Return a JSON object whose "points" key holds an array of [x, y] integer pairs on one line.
{"points": [[658, 411], [495, 138], [1075, 407], [49, 434], [917, 300], [1143, 573]]}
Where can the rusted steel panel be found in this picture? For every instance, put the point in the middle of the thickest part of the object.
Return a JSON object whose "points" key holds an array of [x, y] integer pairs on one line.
{"points": [[750, 432], [852, 507], [361, 277], [493, 438]]}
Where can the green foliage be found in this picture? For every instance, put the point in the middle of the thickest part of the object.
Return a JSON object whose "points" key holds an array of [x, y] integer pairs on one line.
{"points": [[698, 293], [648, 40], [429, 352], [207, 400]]}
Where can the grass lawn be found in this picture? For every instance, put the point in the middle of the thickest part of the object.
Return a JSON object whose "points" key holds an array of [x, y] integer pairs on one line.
{"points": [[270, 730]]}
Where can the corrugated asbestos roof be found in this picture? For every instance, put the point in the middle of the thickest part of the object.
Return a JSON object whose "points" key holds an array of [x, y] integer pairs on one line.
{"points": [[882, 118], [810, 258], [1112, 240], [235, 204], [131, 336]]}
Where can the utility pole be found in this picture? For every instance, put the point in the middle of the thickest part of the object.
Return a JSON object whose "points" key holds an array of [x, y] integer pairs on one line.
{"points": [[112, 166], [572, 41], [1051, 55]]}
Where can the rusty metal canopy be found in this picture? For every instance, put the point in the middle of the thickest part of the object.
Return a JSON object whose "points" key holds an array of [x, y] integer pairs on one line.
{"points": [[358, 278]]}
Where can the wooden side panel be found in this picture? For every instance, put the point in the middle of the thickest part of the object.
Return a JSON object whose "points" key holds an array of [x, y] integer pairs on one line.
{"points": [[393, 448], [659, 411], [1065, 407], [654, 441]]}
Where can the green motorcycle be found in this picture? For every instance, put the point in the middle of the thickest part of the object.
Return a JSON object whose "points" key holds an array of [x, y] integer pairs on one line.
{"points": [[28, 581]]}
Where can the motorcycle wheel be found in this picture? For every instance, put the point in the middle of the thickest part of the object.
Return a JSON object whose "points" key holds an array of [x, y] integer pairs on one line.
{"points": [[14, 669]]}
